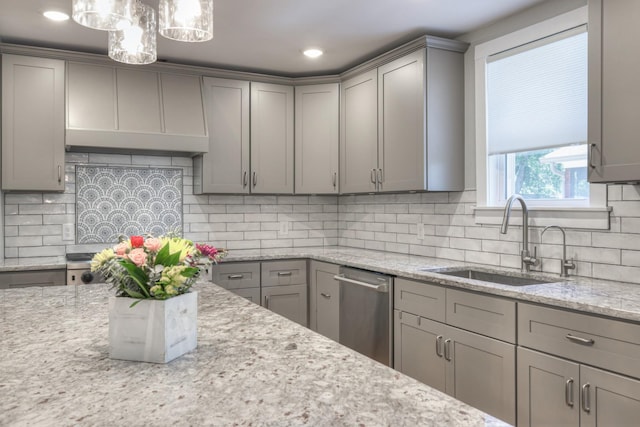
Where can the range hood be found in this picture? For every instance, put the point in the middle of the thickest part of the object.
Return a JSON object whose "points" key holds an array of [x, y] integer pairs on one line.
{"points": [[118, 109]]}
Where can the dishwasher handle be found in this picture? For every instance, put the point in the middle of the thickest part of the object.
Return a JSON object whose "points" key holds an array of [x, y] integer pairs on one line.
{"points": [[384, 287]]}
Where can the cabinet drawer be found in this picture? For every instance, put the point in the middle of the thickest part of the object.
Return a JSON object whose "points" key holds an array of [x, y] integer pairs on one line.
{"points": [[419, 298], [276, 273], [606, 343], [486, 315], [237, 275], [22, 279]]}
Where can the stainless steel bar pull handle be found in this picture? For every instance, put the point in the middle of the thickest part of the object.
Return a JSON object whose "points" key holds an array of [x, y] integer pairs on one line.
{"points": [[439, 346], [244, 179], [580, 340], [380, 288], [568, 392], [586, 400], [59, 174], [335, 179], [235, 276], [255, 179], [327, 296], [591, 147], [284, 273], [373, 176], [266, 301], [447, 350], [380, 176]]}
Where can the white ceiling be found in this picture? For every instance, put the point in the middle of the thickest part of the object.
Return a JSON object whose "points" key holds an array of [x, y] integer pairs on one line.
{"points": [[269, 35]]}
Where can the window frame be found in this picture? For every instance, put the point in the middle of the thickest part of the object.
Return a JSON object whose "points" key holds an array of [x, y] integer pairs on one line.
{"points": [[596, 214]]}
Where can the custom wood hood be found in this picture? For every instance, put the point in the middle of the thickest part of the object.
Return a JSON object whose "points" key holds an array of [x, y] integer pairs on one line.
{"points": [[119, 109]]}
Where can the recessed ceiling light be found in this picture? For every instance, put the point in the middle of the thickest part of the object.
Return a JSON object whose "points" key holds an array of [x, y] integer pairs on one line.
{"points": [[313, 53], [54, 15]]}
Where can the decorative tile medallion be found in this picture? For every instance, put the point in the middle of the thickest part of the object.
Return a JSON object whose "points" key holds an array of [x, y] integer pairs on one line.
{"points": [[114, 200]]}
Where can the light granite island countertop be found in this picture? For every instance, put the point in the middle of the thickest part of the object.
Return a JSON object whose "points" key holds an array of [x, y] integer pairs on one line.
{"points": [[251, 367]]}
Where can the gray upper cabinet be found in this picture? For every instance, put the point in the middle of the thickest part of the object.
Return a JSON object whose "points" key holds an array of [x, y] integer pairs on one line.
{"points": [[317, 138], [225, 167], [410, 136], [614, 91], [132, 109], [359, 133], [272, 132], [32, 123]]}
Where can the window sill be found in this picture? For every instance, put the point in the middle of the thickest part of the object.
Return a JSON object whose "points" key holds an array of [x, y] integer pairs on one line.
{"points": [[576, 218]]}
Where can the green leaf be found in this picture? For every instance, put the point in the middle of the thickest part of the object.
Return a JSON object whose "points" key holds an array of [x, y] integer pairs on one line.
{"points": [[190, 271], [138, 275], [162, 255], [133, 294]]}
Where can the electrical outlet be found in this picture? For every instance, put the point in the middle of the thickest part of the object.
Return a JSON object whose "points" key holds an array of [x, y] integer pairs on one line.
{"points": [[68, 233], [420, 231], [284, 228]]}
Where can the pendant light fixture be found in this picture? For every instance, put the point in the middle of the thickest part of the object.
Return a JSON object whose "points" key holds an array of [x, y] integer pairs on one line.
{"points": [[132, 24], [186, 20], [136, 44], [108, 15]]}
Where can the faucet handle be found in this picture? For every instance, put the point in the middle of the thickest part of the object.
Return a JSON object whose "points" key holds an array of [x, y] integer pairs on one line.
{"points": [[565, 266]]}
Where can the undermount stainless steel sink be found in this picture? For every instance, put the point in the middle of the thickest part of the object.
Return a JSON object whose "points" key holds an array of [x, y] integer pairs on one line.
{"points": [[485, 276]]}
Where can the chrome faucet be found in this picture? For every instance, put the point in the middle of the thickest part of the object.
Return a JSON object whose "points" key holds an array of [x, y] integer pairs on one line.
{"points": [[565, 265], [527, 259]]}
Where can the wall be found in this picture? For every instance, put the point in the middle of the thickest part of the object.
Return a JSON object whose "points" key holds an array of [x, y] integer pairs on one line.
{"points": [[389, 222], [33, 221]]}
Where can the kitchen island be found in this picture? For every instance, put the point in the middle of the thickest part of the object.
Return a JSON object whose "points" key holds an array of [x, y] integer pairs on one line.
{"points": [[251, 367]]}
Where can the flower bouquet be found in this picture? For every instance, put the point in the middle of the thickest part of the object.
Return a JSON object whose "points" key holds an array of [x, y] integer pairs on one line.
{"points": [[153, 316], [154, 267]]}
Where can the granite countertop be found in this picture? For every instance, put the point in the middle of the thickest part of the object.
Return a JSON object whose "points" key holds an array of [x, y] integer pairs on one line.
{"points": [[251, 367], [607, 298]]}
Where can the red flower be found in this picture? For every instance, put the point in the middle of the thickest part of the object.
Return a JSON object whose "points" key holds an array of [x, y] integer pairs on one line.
{"points": [[137, 241]]}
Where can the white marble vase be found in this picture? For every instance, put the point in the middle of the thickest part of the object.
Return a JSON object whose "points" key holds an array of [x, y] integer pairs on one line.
{"points": [[153, 330]]}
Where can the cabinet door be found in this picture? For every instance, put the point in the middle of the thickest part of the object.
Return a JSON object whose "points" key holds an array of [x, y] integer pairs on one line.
{"points": [[271, 138], [139, 108], [608, 399], [482, 372], [252, 294], [547, 390], [419, 349], [32, 123], [324, 300], [182, 105], [614, 91], [317, 139], [289, 301], [359, 133], [402, 123], [225, 168], [91, 97]]}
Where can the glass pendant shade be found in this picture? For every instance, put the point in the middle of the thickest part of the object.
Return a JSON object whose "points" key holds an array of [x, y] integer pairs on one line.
{"points": [[136, 44], [186, 20], [108, 15]]}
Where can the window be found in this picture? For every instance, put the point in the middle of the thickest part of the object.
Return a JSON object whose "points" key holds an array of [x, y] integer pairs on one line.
{"points": [[537, 121], [531, 125]]}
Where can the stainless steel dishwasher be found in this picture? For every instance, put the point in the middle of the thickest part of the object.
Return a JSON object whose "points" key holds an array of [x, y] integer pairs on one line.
{"points": [[366, 305]]}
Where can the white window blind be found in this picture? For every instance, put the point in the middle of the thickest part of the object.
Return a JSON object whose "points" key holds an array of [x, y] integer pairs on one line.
{"points": [[537, 94]]}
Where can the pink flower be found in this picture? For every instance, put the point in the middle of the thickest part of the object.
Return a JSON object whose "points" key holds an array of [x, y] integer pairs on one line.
{"points": [[153, 244], [138, 256], [121, 249]]}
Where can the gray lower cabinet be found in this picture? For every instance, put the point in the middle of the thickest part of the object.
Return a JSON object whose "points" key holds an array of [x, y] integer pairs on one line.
{"points": [[613, 91], [33, 132], [461, 343], [558, 392], [241, 278], [284, 289], [23, 279], [476, 369], [324, 299]]}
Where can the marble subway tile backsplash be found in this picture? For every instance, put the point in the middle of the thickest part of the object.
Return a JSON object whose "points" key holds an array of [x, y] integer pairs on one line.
{"points": [[33, 224]]}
